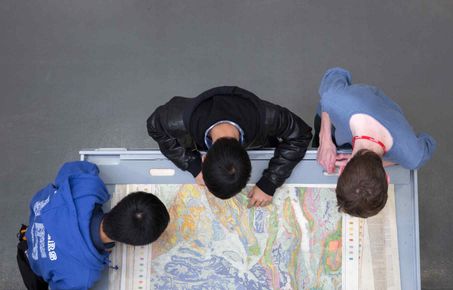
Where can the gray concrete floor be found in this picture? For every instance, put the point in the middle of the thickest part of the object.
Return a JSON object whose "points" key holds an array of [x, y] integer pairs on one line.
{"points": [[80, 74]]}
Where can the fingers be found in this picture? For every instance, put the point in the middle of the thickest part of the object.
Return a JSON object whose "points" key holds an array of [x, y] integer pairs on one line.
{"points": [[257, 203], [199, 179], [252, 203], [258, 198], [328, 166], [200, 182], [331, 167], [327, 160], [341, 163], [343, 156]]}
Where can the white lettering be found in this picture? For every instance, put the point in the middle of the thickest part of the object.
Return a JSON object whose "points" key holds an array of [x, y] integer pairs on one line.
{"points": [[40, 235], [34, 253], [51, 245], [39, 205], [52, 255]]}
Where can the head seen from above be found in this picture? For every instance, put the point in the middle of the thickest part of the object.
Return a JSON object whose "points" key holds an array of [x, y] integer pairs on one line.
{"points": [[138, 219], [362, 186], [226, 168]]}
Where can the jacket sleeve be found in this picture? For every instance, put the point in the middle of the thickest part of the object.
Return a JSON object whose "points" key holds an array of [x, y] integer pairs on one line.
{"points": [[417, 151], [294, 137], [187, 159]]}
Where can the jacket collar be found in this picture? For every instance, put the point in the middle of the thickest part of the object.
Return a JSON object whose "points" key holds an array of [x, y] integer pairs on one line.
{"points": [[225, 90], [207, 137]]}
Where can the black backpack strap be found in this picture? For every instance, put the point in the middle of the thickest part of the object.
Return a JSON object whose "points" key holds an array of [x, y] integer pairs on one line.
{"points": [[31, 280]]}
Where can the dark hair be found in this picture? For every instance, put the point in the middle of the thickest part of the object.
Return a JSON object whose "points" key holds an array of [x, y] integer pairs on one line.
{"points": [[138, 219], [362, 186], [226, 168]]}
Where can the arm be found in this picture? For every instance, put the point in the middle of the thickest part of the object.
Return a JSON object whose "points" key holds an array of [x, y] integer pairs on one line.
{"points": [[333, 81], [185, 159], [327, 151], [295, 136], [388, 163]]}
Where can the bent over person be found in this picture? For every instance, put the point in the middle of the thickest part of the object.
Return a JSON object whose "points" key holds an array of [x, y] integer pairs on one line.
{"points": [[225, 121], [68, 241], [365, 119]]}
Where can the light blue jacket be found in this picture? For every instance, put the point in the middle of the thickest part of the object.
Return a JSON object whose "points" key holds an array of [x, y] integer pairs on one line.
{"points": [[341, 99]]}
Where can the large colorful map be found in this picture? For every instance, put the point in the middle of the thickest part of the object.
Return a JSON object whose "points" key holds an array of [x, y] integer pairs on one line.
{"points": [[220, 244], [295, 243]]}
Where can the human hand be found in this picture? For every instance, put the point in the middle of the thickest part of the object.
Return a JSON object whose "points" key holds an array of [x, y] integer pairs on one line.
{"points": [[327, 153], [387, 163], [199, 179], [341, 161], [258, 198]]}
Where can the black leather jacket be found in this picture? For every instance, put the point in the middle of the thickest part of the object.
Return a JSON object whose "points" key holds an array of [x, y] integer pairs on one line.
{"points": [[168, 126]]}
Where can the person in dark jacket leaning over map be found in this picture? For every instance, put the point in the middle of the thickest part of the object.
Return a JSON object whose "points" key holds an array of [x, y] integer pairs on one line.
{"points": [[225, 121]]}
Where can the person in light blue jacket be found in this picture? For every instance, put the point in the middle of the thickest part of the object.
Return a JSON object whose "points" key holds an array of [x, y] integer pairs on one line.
{"points": [[68, 240], [365, 119]]}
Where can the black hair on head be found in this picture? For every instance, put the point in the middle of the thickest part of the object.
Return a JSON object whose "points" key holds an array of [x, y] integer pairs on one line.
{"points": [[138, 219], [226, 168]]}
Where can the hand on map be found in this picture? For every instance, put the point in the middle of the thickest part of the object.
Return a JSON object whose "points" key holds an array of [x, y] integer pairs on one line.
{"points": [[258, 198], [199, 179], [342, 160], [327, 153]]}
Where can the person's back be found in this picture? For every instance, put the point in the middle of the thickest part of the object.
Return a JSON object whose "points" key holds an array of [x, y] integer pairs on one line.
{"points": [[342, 100], [69, 236], [374, 126], [225, 122], [59, 242]]}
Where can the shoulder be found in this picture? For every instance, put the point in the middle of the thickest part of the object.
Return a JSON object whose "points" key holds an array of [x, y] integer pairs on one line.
{"points": [[276, 117], [412, 151], [170, 116], [174, 108], [270, 111]]}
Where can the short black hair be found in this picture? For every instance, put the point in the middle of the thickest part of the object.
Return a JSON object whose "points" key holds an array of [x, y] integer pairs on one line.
{"points": [[226, 168], [362, 186], [138, 219]]}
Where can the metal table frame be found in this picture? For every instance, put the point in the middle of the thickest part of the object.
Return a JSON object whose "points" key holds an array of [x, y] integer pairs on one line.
{"points": [[122, 166]]}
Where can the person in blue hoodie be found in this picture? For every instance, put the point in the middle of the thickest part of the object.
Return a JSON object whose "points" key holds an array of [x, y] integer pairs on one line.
{"points": [[67, 242]]}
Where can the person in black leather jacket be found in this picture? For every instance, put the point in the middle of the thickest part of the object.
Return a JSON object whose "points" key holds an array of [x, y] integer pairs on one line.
{"points": [[183, 126]]}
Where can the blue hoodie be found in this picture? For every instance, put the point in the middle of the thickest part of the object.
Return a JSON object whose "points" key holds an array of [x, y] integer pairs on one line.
{"points": [[60, 249]]}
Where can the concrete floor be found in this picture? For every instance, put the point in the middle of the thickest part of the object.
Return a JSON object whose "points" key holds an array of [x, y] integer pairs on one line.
{"points": [[81, 74]]}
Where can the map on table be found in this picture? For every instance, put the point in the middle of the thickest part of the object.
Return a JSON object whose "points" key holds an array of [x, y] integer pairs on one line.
{"points": [[295, 243]]}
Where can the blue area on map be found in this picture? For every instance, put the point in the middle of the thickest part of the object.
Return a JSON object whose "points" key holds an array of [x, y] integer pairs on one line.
{"points": [[217, 231], [189, 251], [280, 257], [199, 243], [258, 223], [190, 273]]}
